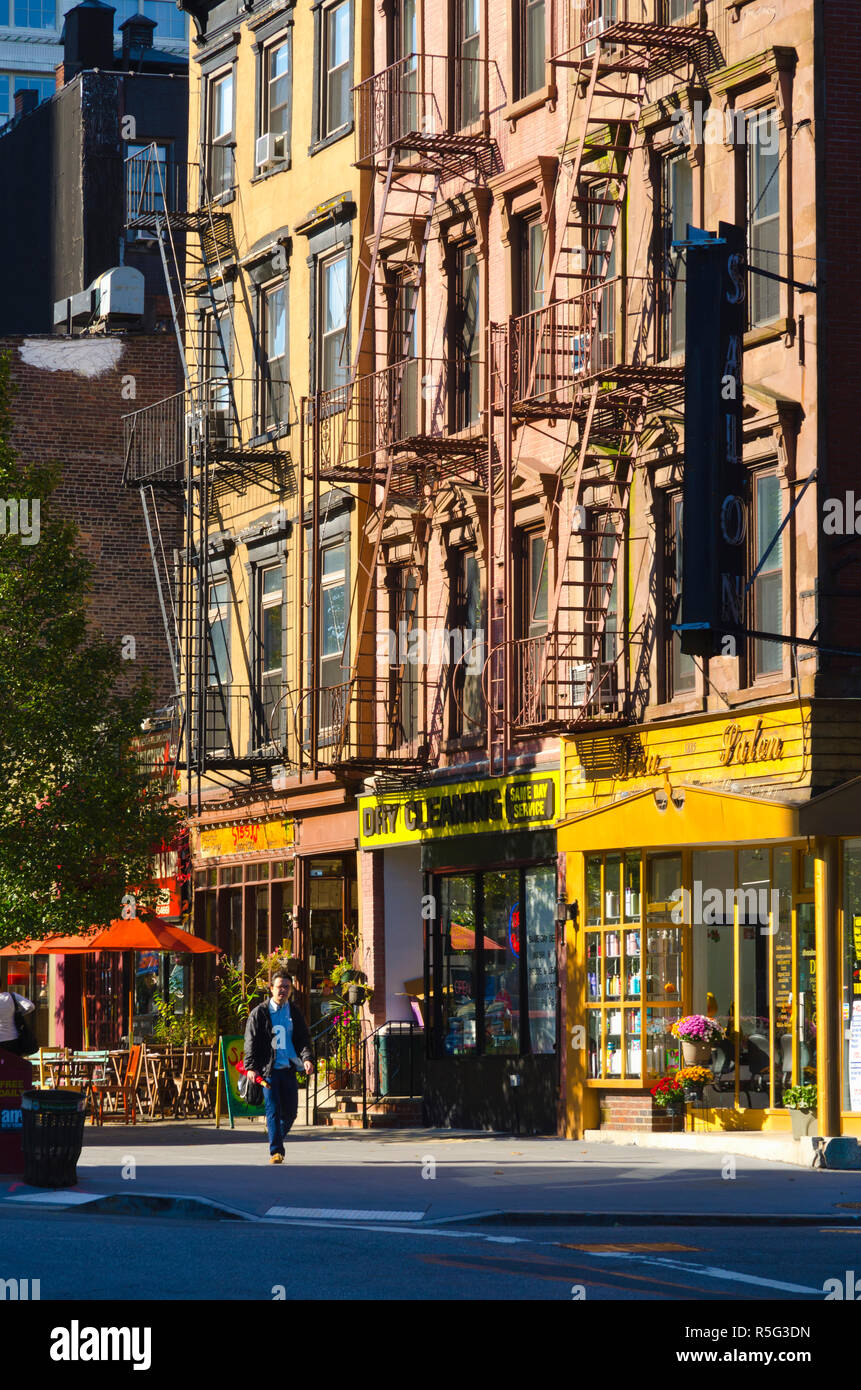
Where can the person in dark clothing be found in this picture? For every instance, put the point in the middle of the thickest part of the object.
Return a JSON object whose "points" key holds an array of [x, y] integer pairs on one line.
{"points": [[277, 1043]]}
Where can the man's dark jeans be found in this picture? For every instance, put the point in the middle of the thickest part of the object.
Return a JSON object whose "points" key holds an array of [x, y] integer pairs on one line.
{"points": [[282, 1103]]}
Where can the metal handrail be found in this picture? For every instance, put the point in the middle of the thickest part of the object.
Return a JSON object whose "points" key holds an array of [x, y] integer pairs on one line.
{"points": [[395, 1028]]}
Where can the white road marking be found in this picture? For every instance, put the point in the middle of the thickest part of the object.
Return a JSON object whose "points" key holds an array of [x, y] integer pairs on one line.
{"points": [[343, 1214], [704, 1271]]}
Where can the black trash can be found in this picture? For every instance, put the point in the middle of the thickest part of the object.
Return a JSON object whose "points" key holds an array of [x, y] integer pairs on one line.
{"points": [[52, 1137]]}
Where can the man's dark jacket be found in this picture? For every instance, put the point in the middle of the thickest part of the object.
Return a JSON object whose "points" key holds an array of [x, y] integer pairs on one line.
{"points": [[260, 1039]]}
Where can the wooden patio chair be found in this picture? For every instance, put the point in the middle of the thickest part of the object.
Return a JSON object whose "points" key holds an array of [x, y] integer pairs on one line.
{"points": [[126, 1091]]}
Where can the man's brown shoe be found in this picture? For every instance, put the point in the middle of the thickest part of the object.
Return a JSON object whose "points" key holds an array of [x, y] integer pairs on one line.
{"points": [[276, 1158]]}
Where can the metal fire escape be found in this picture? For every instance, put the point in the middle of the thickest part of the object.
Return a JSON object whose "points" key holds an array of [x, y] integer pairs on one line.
{"points": [[187, 452], [393, 433], [585, 365]]}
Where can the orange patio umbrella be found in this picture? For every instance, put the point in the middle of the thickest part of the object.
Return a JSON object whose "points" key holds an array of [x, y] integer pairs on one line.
{"points": [[147, 934], [54, 945]]}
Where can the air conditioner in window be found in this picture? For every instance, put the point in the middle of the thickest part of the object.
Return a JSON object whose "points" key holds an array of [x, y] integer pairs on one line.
{"points": [[271, 149], [597, 688], [218, 426], [596, 27]]}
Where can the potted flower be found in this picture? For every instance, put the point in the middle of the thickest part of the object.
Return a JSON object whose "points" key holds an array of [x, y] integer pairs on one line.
{"points": [[698, 1035], [801, 1102], [669, 1093], [693, 1080]]}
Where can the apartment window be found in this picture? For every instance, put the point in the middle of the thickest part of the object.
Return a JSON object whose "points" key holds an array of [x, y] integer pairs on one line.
{"points": [[763, 218], [532, 267], [35, 14], [406, 56], [681, 670], [276, 387], [468, 646], [334, 289], [218, 362], [333, 608], [768, 585], [677, 212], [218, 622], [680, 9], [336, 67], [221, 134], [271, 629], [172, 23], [602, 597], [217, 735], [466, 327], [468, 78], [535, 587], [404, 350], [531, 46], [275, 96], [406, 673], [11, 82], [147, 187]]}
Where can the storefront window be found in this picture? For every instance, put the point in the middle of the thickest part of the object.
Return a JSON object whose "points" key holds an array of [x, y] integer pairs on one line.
{"points": [[261, 904], [234, 927], [782, 972], [459, 987], [541, 957], [502, 962], [665, 886], [593, 889], [852, 975], [806, 1013], [754, 884], [494, 973]]}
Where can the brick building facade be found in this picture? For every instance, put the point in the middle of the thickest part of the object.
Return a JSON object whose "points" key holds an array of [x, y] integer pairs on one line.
{"points": [[70, 395]]}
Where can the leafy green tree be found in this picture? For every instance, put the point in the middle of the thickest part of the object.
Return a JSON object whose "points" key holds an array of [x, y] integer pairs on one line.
{"points": [[78, 819]]}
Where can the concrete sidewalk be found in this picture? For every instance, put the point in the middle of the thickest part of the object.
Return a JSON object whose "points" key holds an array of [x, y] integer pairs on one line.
{"points": [[432, 1175]]}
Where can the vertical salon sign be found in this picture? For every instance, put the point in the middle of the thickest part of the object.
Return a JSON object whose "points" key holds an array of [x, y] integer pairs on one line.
{"points": [[715, 492]]}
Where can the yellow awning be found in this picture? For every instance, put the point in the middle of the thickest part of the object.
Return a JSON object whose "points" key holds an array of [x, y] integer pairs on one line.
{"points": [[690, 816]]}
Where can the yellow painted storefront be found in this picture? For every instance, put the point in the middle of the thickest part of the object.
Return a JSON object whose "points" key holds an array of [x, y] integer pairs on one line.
{"points": [[708, 880]]}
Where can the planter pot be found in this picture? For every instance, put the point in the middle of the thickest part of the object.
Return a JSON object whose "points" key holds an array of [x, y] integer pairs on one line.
{"points": [[804, 1123], [676, 1109], [355, 994], [694, 1093], [696, 1054]]}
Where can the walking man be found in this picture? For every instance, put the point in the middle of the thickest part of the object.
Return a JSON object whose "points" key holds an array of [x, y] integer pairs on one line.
{"points": [[277, 1043]]}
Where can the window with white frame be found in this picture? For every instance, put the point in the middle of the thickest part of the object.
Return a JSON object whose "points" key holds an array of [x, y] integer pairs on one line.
{"points": [[276, 389], [11, 82], [34, 14], [768, 585], [763, 215], [221, 134], [531, 46], [337, 68], [275, 94], [271, 629], [334, 290]]}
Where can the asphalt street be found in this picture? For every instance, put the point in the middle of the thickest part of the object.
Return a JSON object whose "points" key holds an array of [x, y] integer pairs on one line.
{"points": [[80, 1257]]}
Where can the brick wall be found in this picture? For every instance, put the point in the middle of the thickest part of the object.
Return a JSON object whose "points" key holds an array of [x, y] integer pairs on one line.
{"points": [[70, 396], [632, 1110]]}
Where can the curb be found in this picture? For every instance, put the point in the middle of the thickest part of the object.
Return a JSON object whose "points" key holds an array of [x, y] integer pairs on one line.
{"points": [[644, 1218]]}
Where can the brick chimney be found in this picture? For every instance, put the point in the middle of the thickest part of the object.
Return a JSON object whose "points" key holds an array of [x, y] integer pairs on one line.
{"points": [[87, 38], [25, 100]]}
